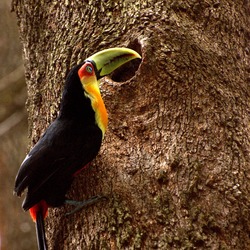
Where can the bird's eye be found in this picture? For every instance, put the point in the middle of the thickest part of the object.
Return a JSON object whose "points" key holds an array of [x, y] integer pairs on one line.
{"points": [[89, 69]]}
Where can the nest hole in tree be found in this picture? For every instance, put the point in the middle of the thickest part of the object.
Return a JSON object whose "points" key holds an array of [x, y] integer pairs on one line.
{"points": [[128, 70]]}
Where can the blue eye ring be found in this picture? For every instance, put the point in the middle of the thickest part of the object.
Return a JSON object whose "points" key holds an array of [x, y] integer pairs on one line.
{"points": [[89, 69]]}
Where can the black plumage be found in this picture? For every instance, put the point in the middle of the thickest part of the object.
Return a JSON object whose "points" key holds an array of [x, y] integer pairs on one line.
{"points": [[68, 144]]}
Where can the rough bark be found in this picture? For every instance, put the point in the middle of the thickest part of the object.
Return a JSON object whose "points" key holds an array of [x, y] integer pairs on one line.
{"points": [[175, 160], [13, 130]]}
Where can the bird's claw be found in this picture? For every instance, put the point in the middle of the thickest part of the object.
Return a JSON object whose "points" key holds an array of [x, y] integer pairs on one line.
{"points": [[80, 204]]}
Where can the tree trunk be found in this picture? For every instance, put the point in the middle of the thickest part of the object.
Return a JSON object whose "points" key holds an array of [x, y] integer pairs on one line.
{"points": [[13, 130], [175, 160]]}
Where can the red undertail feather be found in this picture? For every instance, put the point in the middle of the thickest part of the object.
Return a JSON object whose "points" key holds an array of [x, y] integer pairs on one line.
{"points": [[41, 206]]}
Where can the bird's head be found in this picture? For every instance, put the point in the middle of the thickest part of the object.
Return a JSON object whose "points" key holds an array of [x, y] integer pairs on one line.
{"points": [[93, 69], [103, 63]]}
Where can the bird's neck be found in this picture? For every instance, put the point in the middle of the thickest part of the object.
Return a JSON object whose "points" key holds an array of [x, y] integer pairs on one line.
{"points": [[85, 106], [75, 105], [101, 116]]}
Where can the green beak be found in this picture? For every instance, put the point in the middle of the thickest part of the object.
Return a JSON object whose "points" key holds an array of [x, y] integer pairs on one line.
{"points": [[106, 61]]}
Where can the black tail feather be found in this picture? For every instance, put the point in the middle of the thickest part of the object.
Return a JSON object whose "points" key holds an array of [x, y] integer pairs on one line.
{"points": [[40, 232]]}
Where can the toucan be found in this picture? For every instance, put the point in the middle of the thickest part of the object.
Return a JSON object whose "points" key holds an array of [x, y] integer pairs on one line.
{"points": [[71, 142]]}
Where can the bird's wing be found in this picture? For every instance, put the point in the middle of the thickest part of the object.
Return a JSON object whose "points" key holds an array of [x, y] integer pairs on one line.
{"points": [[55, 156]]}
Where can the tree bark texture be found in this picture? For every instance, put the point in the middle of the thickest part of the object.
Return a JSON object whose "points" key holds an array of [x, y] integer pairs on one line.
{"points": [[13, 129], [175, 160]]}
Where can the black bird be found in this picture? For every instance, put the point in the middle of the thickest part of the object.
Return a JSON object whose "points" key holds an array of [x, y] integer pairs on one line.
{"points": [[71, 141]]}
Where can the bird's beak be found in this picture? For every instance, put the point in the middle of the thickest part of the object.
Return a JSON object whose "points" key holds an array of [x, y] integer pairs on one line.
{"points": [[106, 61]]}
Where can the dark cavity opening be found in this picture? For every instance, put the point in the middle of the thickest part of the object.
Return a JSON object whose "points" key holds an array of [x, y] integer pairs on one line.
{"points": [[128, 70]]}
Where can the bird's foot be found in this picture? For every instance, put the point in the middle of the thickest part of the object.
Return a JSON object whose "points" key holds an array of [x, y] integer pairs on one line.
{"points": [[80, 204]]}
